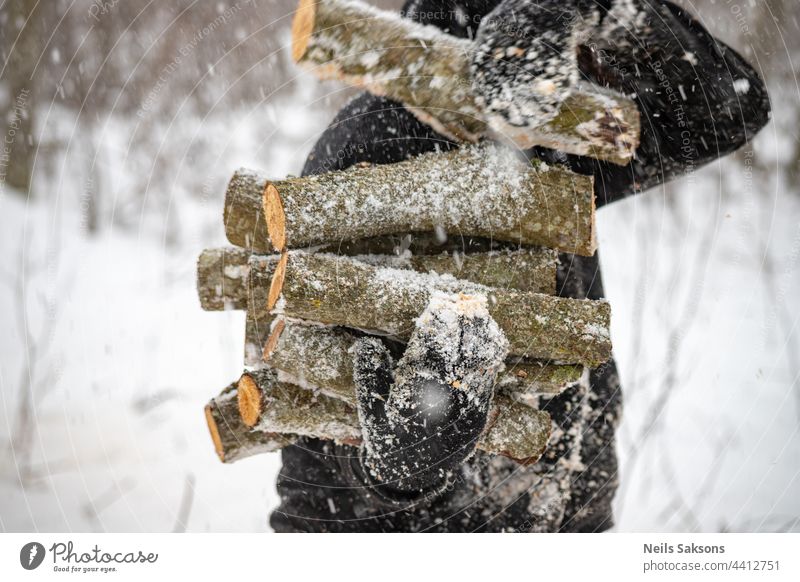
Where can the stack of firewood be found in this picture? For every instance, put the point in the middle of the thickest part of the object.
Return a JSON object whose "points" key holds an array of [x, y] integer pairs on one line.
{"points": [[322, 260]]}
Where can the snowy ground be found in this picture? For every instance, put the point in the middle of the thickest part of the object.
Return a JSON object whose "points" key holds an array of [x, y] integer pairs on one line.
{"points": [[702, 280], [702, 283], [122, 357]]}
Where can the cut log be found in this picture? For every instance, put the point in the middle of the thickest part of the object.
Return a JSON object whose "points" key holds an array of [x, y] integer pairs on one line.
{"points": [[514, 430], [484, 191], [342, 291], [222, 279], [220, 271], [314, 357], [276, 285], [267, 405], [428, 71], [258, 325], [257, 332], [243, 211], [233, 440], [318, 357]]}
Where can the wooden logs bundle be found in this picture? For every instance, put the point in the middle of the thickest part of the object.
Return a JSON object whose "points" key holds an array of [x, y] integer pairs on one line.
{"points": [[321, 261], [306, 309], [305, 350], [428, 71]]}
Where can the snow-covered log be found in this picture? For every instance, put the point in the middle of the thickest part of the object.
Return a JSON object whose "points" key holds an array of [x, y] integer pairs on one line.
{"points": [[222, 274], [530, 269], [428, 71], [268, 405], [233, 440], [417, 243], [485, 191], [336, 290], [222, 278], [318, 357], [514, 430], [532, 377]]}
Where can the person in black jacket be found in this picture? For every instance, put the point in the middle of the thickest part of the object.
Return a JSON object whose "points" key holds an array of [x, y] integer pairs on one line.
{"points": [[698, 99]]}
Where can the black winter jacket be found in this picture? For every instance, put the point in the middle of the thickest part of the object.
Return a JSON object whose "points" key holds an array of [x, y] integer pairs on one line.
{"points": [[699, 100]]}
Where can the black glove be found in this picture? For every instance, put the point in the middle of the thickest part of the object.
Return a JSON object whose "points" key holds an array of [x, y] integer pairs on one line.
{"points": [[526, 59], [421, 419]]}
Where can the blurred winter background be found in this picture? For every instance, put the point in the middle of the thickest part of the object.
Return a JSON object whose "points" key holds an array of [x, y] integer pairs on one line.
{"points": [[124, 119]]}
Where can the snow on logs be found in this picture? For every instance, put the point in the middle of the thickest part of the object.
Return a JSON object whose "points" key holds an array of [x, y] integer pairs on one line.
{"points": [[514, 430], [428, 71], [481, 191], [342, 291], [222, 282], [307, 392], [318, 357], [268, 405], [222, 273]]}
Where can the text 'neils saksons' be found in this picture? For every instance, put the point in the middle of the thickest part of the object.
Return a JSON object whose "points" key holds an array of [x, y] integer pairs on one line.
{"points": [[665, 548]]}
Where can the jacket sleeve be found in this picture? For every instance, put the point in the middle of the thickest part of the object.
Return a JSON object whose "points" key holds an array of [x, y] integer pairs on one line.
{"points": [[699, 100]]}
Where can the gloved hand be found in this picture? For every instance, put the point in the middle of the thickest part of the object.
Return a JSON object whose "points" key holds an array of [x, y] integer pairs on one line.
{"points": [[525, 61], [422, 418]]}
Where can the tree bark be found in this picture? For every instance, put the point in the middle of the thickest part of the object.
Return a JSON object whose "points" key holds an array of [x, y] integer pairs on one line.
{"points": [[528, 269], [318, 357], [341, 291], [232, 439], [267, 405], [533, 377], [257, 332], [222, 274], [428, 71], [243, 213], [513, 430], [484, 191], [418, 243]]}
